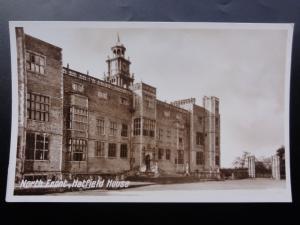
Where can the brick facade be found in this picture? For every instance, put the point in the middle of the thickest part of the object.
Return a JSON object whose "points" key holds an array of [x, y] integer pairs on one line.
{"points": [[72, 124]]}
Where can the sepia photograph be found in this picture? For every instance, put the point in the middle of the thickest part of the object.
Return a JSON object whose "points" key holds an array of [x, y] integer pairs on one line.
{"points": [[149, 112]]}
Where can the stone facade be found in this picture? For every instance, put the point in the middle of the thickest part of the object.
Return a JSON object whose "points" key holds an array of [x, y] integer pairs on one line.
{"points": [[73, 124]]}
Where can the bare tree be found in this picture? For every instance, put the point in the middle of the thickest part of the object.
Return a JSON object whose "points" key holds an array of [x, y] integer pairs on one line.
{"points": [[240, 161]]}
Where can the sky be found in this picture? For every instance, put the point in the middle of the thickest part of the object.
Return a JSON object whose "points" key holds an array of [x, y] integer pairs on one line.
{"points": [[244, 68]]}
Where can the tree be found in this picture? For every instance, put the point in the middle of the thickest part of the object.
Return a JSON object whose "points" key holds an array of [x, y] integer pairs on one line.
{"points": [[240, 162]]}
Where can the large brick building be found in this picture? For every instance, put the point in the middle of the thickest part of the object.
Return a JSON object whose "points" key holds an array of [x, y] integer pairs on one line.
{"points": [[73, 124]]}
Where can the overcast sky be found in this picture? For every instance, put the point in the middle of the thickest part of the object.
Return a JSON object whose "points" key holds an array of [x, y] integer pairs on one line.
{"points": [[243, 68]]}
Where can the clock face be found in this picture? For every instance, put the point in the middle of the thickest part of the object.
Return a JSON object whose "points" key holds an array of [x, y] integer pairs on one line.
{"points": [[124, 67]]}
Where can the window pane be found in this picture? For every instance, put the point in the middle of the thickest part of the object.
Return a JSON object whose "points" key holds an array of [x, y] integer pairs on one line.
{"points": [[42, 61]]}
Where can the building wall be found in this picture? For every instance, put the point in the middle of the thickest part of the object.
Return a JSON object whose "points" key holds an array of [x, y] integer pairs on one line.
{"points": [[172, 134], [104, 102], [175, 130], [35, 84]]}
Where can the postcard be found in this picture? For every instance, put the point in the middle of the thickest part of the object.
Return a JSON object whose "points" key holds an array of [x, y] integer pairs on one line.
{"points": [[149, 112]]}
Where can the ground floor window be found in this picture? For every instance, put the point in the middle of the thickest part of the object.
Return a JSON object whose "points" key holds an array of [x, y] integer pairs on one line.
{"points": [[168, 154], [180, 157], [37, 146], [77, 149], [100, 151], [199, 158], [160, 153], [123, 151], [112, 150]]}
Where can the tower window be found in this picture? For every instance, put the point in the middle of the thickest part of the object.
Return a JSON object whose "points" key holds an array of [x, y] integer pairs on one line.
{"points": [[37, 107], [35, 63], [137, 127]]}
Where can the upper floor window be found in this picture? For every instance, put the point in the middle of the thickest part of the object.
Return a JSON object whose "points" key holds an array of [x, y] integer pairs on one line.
{"points": [[37, 107], [100, 126], [37, 146], [124, 101], [124, 131], [149, 101], [160, 134], [137, 127], [180, 141], [199, 138], [168, 133], [35, 63], [78, 120], [167, 113], [102, 95], [200, 120], [148, 127], [77, 87], [113, 128]]}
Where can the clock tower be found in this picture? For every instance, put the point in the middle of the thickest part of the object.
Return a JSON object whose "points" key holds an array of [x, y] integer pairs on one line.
{"points": [[118, 71]]}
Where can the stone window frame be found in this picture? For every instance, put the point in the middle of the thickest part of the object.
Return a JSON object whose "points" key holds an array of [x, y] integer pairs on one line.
{"points": [[100, 149], [124, 131], [32, 148], [78, 119], [124, 151], [113, 128], [200, 139], [43, 108], [100, 126], [160, 154], [33, 62], [77, 147], [112, 152], [168, 154], [137, 122], [180, 157], [199, 158], [124, 101], [160, 134], [77, 87], [102, 95]]}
